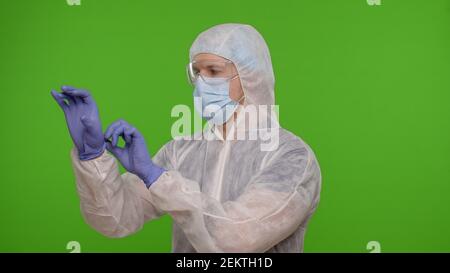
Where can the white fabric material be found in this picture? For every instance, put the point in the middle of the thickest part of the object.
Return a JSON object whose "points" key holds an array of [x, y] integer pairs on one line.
{"points": [[223, 195], [113, 204]]}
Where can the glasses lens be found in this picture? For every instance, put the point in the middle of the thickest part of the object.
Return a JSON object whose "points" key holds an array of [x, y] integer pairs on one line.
{"points": [[191, 74], [210, 71]]}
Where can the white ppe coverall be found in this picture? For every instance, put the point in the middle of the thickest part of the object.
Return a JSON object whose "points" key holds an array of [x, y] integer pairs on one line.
{"points": [[223, 195]]}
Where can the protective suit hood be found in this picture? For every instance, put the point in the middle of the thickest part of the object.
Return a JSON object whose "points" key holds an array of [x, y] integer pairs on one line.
{"points": [[246, 48]]}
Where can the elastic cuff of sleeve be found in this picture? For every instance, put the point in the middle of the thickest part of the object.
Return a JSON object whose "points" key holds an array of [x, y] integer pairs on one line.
{"points": [[155, 173], [92, 155]]}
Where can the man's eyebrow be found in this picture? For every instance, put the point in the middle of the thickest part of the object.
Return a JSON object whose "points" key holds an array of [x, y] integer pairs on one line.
{"points": [[207, 64], [212, 65]]}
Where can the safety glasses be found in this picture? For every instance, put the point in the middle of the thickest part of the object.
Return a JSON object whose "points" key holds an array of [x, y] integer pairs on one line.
{"points": [[208, 71]]}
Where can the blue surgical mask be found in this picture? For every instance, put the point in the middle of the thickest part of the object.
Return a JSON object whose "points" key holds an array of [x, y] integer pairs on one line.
{"points": [[212, 100]]}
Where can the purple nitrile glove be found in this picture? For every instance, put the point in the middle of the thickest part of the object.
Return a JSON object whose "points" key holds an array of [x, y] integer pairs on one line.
{"points": [[134, 156], [82, 120]]}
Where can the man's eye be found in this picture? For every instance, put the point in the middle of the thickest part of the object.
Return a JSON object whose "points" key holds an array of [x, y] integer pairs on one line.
{"points": [[215, 71]]}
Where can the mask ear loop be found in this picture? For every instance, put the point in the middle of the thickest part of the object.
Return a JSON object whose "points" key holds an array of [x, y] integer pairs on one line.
{"points": [[243, 96], [243, 93], [237, 118]]}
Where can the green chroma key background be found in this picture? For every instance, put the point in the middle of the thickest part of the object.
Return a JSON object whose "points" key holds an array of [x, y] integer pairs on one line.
{"points": [[366, 86]]}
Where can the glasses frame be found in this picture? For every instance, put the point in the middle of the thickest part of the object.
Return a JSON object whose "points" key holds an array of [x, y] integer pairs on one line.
{"points": [[192, 77]]}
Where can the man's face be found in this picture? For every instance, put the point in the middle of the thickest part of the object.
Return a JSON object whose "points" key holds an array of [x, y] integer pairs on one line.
{"points": [[211, 65]]}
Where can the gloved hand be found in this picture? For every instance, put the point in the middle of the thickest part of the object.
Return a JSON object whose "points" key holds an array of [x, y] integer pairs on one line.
{"points": [[134, 156], [82, 120]]}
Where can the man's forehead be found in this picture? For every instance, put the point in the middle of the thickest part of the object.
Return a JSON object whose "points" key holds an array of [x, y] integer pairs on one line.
{"points": [[208, 57]]}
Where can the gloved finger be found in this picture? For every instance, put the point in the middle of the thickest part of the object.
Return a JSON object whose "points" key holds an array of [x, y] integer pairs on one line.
{"points": [[75, 98], [118, 131], [81, 94], [60, 99], [116, 151], [128, 134], [67, 88], [69, 98], [111, 128]]}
